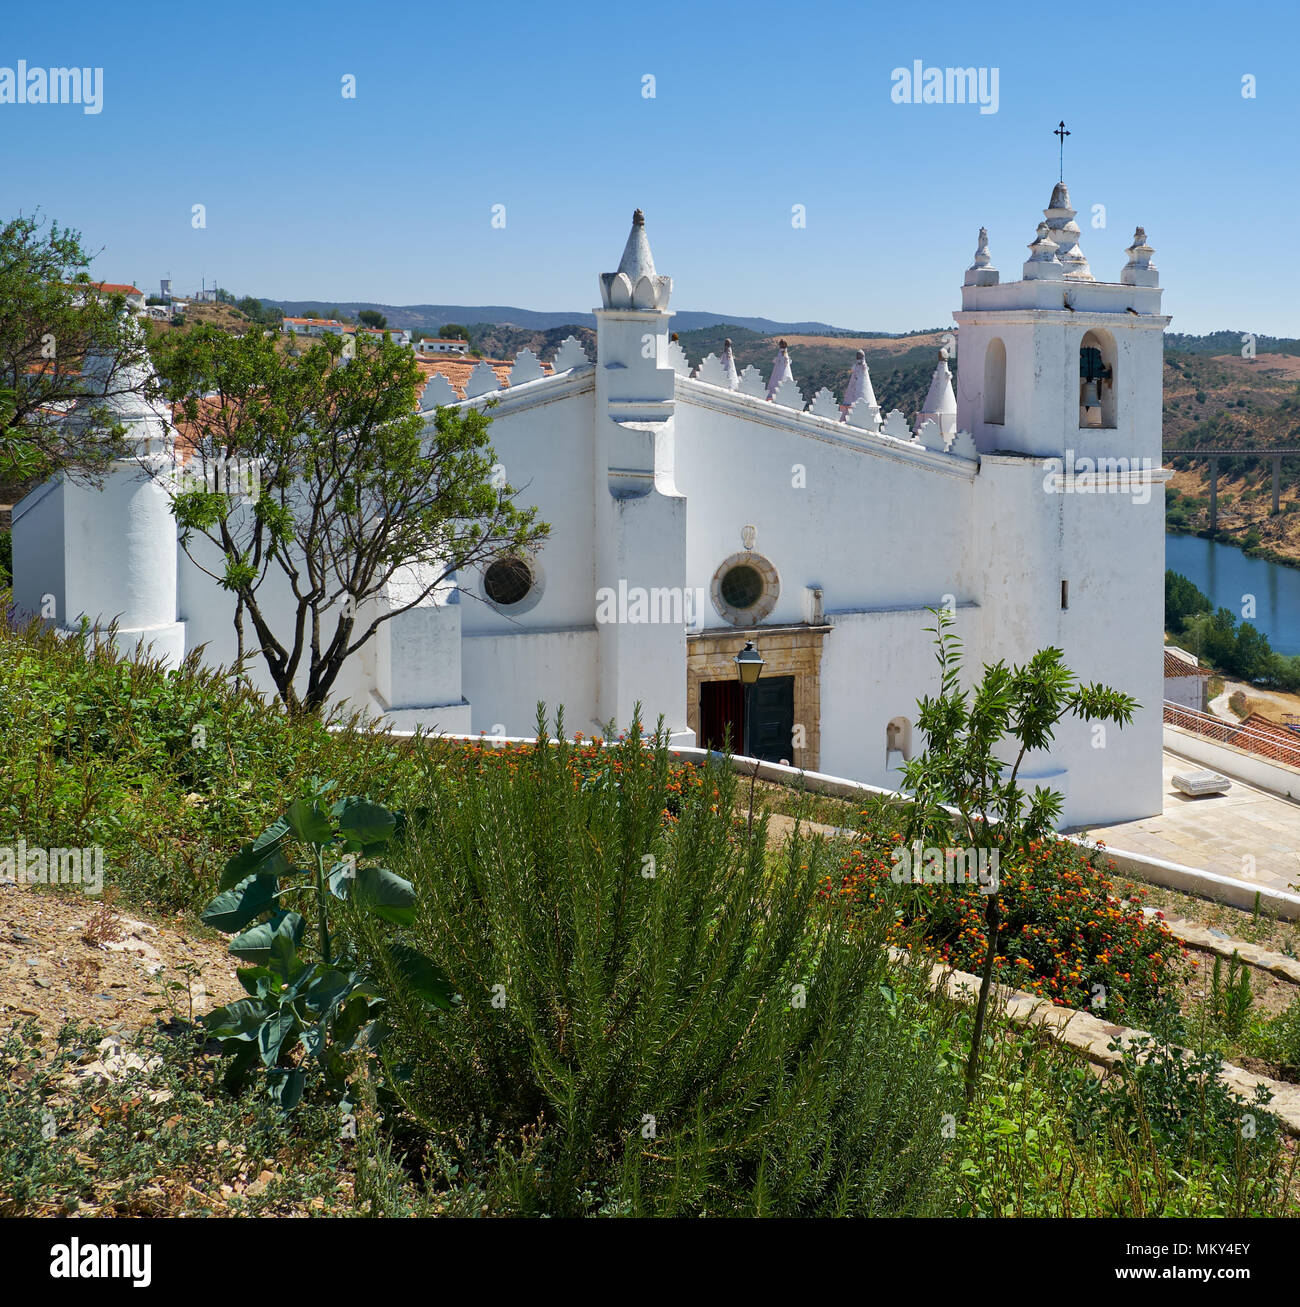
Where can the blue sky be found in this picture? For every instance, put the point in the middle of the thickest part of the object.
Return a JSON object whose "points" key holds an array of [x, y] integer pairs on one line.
{"points": [[757, 108]]}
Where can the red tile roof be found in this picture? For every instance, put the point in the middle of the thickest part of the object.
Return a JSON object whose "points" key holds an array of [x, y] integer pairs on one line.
{"points": [[116, 288], [1176, 666], [457, 367]]}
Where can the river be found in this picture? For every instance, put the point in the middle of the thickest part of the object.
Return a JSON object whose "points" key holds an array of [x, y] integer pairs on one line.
{"points": [[1225, 574]]}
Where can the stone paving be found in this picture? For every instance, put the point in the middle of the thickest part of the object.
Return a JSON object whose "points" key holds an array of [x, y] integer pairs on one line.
{"points": [[1216, 832]]}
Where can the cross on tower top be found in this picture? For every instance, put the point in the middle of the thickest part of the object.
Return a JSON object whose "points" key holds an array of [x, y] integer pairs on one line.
{"points": [[1062, 133]]}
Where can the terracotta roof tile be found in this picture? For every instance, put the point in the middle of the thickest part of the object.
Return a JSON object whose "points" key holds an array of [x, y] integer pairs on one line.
{"points": [[1176, 666], [457, 368]]}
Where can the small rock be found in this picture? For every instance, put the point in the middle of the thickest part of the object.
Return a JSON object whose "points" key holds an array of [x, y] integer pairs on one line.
{"points": [[21, 937], [41, 982]]}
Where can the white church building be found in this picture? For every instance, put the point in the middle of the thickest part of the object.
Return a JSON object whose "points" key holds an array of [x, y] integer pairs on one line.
{"points": [[691, 512]]}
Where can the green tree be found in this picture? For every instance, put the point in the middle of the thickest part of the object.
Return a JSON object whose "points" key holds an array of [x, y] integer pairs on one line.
{"points": [[339, 487], [453, 331], [1182, 600], [372, 318], [1252, 654], [62, 344], [962, 789], [1213, 638], [255, 311]]}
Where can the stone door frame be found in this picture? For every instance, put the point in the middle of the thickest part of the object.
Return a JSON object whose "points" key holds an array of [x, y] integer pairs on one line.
{"points": [[787, 651]]}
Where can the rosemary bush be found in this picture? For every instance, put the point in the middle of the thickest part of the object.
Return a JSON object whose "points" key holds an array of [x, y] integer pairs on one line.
{"points": [[654, 1016]]}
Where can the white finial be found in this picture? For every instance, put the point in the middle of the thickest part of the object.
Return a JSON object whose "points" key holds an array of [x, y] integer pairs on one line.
{"points": [[981, 271], [636, 285], [1042, 264], [940, 403], [1065, 232], [780, 369], [859, 388], [1139, 270], [729, 366]]}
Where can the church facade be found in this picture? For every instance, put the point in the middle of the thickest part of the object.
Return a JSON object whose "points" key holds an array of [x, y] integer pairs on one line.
{"points": [[691, 512]]}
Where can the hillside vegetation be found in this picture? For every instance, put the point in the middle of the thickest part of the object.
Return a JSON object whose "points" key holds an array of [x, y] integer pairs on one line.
{"points": [[652, 1052]]}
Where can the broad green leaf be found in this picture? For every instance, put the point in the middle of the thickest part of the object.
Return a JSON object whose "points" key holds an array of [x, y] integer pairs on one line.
{"points": [[279, 1027], [254, 944], [234, 909], [263, 855], [363, 822], [239, 1066], [257, 981], [386, 894], [425, 978], [238, 1020], [340, 877], [286, 1085], [327, 987], [308, 822], [351, 1016], [282, 957]]}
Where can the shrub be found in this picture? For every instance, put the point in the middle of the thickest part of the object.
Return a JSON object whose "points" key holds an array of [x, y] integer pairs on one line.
{"points": [[165, 768], [1278, 1039], [654, 1017], [1231, 998], [1045, 1137], [1065, 934], [1173, 1101], [298, 1010]]}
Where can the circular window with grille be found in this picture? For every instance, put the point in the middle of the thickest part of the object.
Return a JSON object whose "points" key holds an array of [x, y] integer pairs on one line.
{"points": [[742, 586], [508, 581], [745, 588]]}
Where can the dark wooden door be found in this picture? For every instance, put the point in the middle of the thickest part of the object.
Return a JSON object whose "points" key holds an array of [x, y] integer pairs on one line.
{"points": [[722, 705], [772, 730]]}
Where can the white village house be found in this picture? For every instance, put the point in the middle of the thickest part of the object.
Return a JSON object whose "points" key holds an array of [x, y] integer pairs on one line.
{"points": [[690, 513]]}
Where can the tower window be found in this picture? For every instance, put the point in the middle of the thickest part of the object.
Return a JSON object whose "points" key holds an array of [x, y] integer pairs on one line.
{"points": [[1097, 381], [1065, 594], [995, 383]]}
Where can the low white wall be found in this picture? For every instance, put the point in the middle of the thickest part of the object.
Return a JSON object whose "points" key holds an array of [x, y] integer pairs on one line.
{"points": [[1237, 763], [1155, 871]]}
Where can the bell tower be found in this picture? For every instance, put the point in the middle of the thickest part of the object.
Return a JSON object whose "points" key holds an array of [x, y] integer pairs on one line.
{"points": [[1060, 382], [1058, 360]]}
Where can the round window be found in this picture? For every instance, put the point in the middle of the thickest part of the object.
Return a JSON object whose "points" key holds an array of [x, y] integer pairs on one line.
{"points": [[745, 588], [742, 586], [508, 581]]}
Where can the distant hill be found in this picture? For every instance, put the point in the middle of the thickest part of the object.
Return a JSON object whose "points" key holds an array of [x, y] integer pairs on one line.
{"points": [[429, 317]]}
